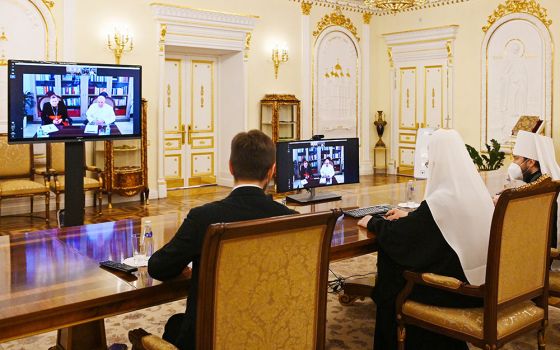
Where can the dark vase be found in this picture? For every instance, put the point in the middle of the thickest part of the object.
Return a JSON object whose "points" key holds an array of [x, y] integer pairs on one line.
{"points": [[380, 124]]}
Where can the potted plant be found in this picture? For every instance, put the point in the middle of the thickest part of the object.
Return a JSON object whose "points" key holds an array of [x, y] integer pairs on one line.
{"points": [[493, 161]]}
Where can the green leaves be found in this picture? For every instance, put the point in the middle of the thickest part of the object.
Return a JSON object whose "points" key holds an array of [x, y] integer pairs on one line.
{"points": [[493, 160]]}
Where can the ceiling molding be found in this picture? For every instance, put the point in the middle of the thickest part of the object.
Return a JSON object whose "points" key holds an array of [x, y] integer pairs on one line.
{"points": [[358, 5]]}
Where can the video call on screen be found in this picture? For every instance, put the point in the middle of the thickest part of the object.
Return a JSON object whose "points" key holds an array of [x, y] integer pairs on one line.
{"points": [[49, 101], [309, 164]]}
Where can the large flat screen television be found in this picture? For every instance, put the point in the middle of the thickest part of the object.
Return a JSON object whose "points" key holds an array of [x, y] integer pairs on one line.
{"points": [[316, 163], [61, 101]]}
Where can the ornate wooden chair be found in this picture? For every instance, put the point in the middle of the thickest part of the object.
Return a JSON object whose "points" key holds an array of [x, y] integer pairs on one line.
{"points": [[17, 174], [55, 174], [264, 284], [515, 294]]}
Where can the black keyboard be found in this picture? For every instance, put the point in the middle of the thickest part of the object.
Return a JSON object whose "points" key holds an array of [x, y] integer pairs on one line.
{"points": [[379, 209]]}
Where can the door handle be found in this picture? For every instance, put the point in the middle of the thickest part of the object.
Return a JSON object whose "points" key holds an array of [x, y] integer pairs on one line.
{"points": [[189, 132], [182, 134]]}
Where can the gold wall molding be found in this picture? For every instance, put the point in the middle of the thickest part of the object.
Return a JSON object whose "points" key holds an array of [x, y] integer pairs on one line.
{"points": [[367, 17], [49, 3], [306, 8], [390, 54], [531, 7], [248, 37], [336, 18]]}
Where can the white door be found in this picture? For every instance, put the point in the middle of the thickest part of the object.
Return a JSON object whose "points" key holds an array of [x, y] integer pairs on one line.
{"points": [[189, 114], [421, 100]]}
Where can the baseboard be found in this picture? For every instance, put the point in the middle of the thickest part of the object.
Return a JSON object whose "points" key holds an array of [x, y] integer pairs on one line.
{"points": [[366, 168]]}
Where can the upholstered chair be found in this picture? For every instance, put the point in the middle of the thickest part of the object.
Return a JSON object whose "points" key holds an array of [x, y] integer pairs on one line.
{"points": [[55, 173], [263, 285], [17, 174], [515, 294]]}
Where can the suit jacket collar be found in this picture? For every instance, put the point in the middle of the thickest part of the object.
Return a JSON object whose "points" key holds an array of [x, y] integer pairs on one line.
{"points": [[247, 191]]}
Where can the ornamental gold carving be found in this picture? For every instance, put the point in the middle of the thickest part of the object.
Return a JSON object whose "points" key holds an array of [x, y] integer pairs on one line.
{"points": [[515, 6], [306, 8], [336, 18], [367, 17], [49, 3]]}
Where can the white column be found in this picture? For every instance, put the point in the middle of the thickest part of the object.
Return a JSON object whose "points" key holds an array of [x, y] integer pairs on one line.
{"points": [[162, 185], [306, 117], [366, 165]]}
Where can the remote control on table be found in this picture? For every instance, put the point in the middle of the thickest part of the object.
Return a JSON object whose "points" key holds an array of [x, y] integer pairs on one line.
{"points": [[118, 266]]}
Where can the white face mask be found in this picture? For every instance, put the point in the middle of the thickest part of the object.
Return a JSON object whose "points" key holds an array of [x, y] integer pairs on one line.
{"points": [[515, 172]]}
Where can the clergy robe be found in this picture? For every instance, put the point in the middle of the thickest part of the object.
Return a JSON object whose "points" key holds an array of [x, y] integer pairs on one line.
{"points": [[413, 243]]}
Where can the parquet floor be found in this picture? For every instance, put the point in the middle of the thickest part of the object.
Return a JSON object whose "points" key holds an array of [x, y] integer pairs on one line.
{"points": [[177, 201]]}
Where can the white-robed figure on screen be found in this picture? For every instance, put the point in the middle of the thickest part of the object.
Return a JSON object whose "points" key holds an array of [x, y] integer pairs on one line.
{"points": [[447, 235], [327, 169], [100, 113]]}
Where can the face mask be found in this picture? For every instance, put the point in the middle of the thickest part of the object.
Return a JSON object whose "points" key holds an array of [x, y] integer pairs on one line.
{"points": [[514, 172]]}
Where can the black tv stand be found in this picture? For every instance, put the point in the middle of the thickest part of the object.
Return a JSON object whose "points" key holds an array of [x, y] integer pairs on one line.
{"points": [[312, 197], [74, 171]]}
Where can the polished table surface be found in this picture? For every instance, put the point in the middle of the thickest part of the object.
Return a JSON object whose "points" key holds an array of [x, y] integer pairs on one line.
{"points": [[51, 279]]}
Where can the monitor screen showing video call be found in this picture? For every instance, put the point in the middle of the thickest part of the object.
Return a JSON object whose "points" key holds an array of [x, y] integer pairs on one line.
{"points": [[56, 101], [309, 164]]}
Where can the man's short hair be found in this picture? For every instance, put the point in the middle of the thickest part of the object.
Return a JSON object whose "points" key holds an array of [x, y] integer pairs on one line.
{"points": [[252, 155]]}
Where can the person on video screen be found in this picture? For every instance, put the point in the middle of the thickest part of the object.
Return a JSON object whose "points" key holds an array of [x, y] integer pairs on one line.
{"points": [[305, 170], [327, 169], [55, 112], [100, 112]]}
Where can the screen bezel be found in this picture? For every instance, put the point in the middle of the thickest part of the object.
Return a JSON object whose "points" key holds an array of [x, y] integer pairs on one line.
{"points": [[357, 140], [75, 138]]}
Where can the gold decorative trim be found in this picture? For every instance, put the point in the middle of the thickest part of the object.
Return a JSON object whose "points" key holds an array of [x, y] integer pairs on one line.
{"points": [[390, 53], [306, 8], [205, 10], [531, 185], [367, 17], [530, 7], [49, 3], [178, 62], [209, 171], [358, 6], [248, 37], [179, 160], [199, 142], [402, 72], [210, 128], [3, 37], [403, 138], [401, 148], [433, 95], [162, 35], [336, 18]]}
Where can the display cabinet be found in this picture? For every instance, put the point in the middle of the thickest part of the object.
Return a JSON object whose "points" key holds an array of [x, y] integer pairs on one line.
{"points": [[280, 117], [125, 164]]}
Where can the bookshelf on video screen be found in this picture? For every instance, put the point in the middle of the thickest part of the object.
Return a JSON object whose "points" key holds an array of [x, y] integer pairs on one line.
{"points": [[50, 101]]}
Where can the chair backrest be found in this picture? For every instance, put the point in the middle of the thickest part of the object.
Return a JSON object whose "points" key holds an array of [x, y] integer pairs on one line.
{"points": [[16, 160], [518, 252], [55, 156], [263, 283]]}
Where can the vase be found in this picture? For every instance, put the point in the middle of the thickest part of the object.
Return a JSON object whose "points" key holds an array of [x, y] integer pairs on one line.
{"points": [[380, 124]]}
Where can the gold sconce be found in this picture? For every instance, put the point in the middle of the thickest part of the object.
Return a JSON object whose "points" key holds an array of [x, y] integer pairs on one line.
{"points": [[3, 44], [122, 42], [279, 56]]}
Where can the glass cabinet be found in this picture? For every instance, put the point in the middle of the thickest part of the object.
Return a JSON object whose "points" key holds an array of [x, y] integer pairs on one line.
{"points": [[280, 117], [125, 164]]}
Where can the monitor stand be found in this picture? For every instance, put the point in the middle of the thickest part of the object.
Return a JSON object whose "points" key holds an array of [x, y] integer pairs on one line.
{"points": [[312, 197]]}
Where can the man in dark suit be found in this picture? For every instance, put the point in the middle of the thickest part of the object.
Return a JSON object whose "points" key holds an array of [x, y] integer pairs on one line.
{"points": [[252, 164]]}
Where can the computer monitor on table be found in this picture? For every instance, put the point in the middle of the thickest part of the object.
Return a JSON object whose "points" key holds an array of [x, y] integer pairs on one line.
{"points": [[316, 163]]}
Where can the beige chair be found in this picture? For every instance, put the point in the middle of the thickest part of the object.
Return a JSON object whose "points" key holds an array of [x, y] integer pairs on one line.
{"points": [[264, 285], [515, 294], [55, 174], [17, 174]]}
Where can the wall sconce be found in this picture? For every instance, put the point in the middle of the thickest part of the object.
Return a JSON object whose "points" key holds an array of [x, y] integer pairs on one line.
{"points": [[121, 39], [3, 45], [279, 56]]}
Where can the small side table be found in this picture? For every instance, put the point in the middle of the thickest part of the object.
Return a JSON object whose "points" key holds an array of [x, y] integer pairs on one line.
{"points": [[378, 165]]}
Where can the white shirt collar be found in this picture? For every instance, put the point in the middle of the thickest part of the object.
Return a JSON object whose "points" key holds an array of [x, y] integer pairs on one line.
{"points": [[246, 185]]}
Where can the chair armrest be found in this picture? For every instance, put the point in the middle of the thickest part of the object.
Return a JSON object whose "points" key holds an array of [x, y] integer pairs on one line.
{"points": [[554, 253], [446, 283], [93, 169]]}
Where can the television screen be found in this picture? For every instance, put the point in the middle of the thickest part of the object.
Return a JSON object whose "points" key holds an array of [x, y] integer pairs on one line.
{"points": [[57, 101], [310, 164]]}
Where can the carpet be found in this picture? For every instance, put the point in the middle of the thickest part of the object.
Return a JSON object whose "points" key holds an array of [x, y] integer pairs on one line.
{"points": [[348, 327]]}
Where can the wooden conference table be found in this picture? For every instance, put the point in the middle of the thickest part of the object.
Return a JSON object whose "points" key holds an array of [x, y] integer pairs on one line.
{"points": [[51, 279]]}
